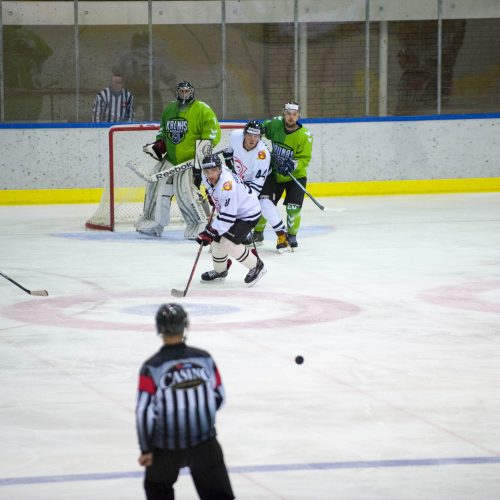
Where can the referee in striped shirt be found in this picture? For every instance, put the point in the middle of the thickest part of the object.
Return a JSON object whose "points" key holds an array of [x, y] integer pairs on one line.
{"points": [[180, 390], [114, 103]]}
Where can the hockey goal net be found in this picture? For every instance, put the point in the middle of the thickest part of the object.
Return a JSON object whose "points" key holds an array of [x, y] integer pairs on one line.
{"points": [[123, 190]]}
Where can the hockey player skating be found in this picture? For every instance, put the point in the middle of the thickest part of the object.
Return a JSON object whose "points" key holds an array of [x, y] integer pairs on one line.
{"points": [[180, 390], [249, 157], [238, 211], [292, 151], [184, 121]]}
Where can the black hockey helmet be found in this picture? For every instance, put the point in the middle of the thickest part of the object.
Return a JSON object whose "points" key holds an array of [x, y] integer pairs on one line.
{"points": [[184, 85], [253, 127], [211, 161], [171, 319]]}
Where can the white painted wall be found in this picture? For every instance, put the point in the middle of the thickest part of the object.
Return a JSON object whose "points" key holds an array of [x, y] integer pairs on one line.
{"points": [[47, 158]]}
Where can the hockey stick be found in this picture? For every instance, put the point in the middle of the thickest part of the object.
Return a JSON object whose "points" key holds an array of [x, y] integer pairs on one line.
{"points": [[41, 293], [319, 205], [180, 293], [168, 172]]}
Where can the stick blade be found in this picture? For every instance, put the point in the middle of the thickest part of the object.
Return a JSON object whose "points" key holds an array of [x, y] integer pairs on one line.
{"points": [[40, 293], [178, 293]]}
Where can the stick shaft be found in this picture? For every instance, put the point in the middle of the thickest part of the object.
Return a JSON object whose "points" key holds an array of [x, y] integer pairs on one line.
{"points": [[175, 292], [42, 293], [313, 199]]}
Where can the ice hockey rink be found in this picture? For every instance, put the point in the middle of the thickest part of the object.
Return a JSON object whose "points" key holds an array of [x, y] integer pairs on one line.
{"points": [[393, 301]]}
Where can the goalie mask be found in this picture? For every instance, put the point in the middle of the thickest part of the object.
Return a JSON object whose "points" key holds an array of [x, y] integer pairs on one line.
{"points": [[171, 319], [184, 92], [253, 127]]}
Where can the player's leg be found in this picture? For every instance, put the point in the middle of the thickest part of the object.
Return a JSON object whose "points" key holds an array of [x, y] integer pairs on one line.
{"points": [[267, 192], [271, 213], [293, 200], [209, 472], [190, 204], [221, 264], [230, 244], [232, 241], [156, 210], [161, 476]]}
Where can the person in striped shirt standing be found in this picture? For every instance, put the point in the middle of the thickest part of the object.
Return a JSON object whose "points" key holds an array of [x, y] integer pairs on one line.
{"points": [[114, 103], [180, 390]]}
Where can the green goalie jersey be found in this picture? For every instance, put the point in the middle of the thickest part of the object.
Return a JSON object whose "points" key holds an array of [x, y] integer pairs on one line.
{"points": [[180, 128], [296, 145]]}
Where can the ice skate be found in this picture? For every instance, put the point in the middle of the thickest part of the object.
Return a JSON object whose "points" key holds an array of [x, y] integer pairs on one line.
{"points": [[282, 242], [292, 240], [255, 274], [215, 277], [258, 238]]}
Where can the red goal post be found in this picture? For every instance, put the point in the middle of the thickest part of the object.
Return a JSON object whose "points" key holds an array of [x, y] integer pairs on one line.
{"points": [[123, 190]]}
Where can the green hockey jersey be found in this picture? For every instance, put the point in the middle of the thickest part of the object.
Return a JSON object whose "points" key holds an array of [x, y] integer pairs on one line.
{"points": [[296, 145], [180, 128]]}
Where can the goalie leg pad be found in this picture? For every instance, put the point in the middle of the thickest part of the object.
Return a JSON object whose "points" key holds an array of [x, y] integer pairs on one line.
{"points": [[156, 207], [190, 205]]}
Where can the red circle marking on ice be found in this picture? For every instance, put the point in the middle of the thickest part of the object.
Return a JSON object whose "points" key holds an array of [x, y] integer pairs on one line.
{"points": [[306, 310], [464, 296]]}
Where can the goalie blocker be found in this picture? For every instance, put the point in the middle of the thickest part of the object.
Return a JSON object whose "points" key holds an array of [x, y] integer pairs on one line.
{"points": [[165, 181]]}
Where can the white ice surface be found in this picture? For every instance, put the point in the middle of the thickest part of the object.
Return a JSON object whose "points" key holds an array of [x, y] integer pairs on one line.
{"points": [[394, 302]]}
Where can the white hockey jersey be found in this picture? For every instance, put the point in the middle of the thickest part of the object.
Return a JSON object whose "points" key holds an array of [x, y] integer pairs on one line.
{"points": [[250, 166], [233, 201]]}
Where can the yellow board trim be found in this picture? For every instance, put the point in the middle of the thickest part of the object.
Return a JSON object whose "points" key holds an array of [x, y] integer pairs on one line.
{"points": [[93, 195]]}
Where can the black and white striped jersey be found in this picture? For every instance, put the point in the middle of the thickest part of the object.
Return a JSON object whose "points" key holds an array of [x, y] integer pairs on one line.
{"points": [[233, 200], [112, 106], [180, 390], [252, 166]]}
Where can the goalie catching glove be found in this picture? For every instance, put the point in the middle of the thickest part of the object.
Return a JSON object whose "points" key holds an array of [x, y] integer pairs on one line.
{"points": [[207, 236], [287, 167], [155, 149]]}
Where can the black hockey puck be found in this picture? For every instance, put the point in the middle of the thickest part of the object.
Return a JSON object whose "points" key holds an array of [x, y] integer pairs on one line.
{"points": [[299, 360]]}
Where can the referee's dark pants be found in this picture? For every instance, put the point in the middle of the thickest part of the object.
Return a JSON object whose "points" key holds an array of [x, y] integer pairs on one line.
{"points": [[207, 466]]}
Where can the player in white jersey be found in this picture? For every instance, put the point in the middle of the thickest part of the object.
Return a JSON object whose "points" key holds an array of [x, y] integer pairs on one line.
{"points": [[249, 157], [238, 211]]}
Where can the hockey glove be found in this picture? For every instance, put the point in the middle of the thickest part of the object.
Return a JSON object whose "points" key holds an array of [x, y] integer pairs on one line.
{"points": [[155, 149], [287, 167], [197, 177], [228, 158], [207, 236]]}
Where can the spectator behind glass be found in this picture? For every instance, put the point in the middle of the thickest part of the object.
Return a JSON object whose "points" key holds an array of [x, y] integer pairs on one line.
{"points": [[114, 103]]}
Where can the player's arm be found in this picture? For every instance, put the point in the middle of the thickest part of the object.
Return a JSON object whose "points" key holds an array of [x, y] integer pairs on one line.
{"points": [[144, 424], [210, 126], [303, 153], [158, 149], [261, 169]]}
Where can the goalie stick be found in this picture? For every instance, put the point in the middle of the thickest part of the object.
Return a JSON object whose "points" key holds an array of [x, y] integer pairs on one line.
{"points": [[40, 293], [182, 293], [317, 203], [168, 172]]}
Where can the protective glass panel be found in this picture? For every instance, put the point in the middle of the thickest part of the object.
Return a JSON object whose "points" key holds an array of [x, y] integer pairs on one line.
{"points": [[113, 50], [39, 73], [471, 66], [187, 52]]}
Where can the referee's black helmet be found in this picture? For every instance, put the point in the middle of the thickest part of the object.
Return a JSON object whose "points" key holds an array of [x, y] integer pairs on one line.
{"points": [[171, 319]]}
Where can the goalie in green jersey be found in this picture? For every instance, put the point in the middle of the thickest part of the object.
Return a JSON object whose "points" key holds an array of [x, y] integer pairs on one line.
{"points": [[291, 154], [185, 123]]}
